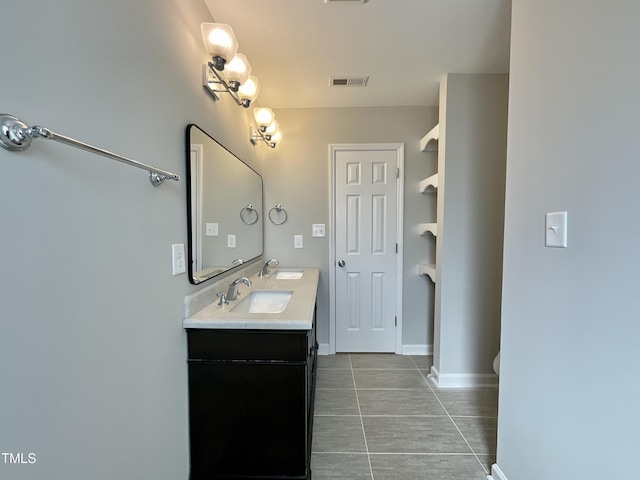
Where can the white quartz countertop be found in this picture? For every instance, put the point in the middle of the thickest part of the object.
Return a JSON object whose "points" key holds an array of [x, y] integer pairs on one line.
{"points": [[298, 315]]}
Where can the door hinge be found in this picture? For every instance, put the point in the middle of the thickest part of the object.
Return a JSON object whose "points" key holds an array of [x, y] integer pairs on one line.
{"points": [[396, 321]]}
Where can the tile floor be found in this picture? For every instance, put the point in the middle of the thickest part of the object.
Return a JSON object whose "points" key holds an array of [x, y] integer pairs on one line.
{"points": [[376, 418]]}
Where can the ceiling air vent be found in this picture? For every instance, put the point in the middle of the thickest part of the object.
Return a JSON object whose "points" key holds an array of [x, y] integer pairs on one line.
{"points": [[348, 81]]}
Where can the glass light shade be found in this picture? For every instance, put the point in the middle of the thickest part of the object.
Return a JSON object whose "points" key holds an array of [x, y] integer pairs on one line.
{"points": [[276, 137], [272, 128], [249, 89], [263, 116], [219, 40], [238, 69]]}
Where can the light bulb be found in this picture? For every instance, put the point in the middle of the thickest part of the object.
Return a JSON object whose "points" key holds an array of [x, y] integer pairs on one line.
{"points": [[275, 138], [263, 116], [237, 71], [220, 41], [272, 128], [249, 89]]}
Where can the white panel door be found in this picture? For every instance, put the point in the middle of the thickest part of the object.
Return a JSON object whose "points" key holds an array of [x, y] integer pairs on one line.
{"points": [[365, 250]]}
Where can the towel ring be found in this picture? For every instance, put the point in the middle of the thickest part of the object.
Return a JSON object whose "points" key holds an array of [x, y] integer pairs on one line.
{"points": [[279, 211], [247, 213]]}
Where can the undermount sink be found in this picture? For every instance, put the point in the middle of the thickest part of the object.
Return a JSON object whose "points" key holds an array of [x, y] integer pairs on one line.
{"points": [[288, 274], [264, 301]]}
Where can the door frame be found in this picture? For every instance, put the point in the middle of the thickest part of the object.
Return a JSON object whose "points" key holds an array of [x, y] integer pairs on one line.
{"points": [[333, 149]]}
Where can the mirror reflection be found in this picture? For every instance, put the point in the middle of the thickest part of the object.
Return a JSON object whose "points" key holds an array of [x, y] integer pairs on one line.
{"points": [[224, 208]]}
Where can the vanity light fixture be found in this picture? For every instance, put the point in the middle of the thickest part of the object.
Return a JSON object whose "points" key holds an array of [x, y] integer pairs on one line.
{"points": [[228, 71], [268, 128]]}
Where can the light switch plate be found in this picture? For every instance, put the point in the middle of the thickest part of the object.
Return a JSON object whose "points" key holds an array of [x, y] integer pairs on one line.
{"points": [[178, 261], [556, 229], [317, 230], [211, 230], [297, 241], [231, 241]]}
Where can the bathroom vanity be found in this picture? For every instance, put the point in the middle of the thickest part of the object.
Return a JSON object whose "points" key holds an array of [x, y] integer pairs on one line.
{"points": [[252, 384]]}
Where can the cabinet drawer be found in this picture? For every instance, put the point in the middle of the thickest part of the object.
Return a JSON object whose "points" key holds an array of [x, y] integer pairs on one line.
{"points": [[268, 345]]}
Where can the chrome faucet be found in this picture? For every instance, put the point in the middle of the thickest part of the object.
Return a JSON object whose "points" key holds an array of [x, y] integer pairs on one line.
{"points": [[223, 299], [265, 269], [232, 293]]}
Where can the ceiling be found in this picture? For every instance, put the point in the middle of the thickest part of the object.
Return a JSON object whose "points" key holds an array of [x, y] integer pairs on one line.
{"points": [[404, 46]]}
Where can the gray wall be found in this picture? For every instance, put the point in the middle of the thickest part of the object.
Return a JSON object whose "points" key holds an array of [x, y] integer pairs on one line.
{"points": [[94, 378], [569, 393], [471, 175], [296, 175]]}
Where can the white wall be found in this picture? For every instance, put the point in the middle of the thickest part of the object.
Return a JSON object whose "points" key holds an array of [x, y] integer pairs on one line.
{"points": [[297, 173], [569, 393], [94, 377], [471, 173]]}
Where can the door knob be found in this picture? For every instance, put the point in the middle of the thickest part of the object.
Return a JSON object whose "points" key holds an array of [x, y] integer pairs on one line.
{"points": [[341, 263]]}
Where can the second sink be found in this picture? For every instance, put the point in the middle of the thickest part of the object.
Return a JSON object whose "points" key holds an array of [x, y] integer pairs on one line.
{"points": [[289, 274], [264, 301]]}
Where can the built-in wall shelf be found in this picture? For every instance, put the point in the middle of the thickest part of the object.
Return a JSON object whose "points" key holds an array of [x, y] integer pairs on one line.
{"points": [[427, 270], [425, 228], [429, 143], [429, 184]]}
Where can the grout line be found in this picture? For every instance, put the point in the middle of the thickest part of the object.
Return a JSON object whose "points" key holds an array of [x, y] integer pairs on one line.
{"points": [[366, 446], [454, 423], [425, 454], [426, 386]]}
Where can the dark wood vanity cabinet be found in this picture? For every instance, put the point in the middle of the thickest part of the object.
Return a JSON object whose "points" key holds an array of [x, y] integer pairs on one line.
{"points": [[251, 395]]}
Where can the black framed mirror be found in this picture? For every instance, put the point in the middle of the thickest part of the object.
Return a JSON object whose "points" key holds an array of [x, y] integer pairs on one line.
{"points": [[224, 208]]}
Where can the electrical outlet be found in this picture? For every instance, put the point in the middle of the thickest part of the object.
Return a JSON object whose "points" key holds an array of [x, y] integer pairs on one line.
{"points": [[297, 241], [179, 263], [317, 230], [211, 230], [231, 241]]}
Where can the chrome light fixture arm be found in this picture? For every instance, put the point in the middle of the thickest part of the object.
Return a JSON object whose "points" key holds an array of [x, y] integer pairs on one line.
{"points": [[219, 84], [257, 135]]}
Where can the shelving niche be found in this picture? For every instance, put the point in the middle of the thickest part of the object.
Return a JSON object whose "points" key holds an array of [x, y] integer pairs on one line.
{"points": [[429, 185]]}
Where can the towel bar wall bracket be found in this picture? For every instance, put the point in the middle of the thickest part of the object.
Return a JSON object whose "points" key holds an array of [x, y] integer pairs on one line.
{"points": [[16, 136]]}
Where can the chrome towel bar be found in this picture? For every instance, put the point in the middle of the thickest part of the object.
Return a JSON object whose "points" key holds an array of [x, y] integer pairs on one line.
{"points": [[15, 135]]}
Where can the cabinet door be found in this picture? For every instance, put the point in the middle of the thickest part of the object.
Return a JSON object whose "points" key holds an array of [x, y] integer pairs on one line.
{"points": [[247, 418]]}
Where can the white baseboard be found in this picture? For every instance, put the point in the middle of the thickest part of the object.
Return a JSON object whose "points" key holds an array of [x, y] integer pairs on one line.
{"points": [[461, 380], [323, 349], [417, 349], [496, 473]]}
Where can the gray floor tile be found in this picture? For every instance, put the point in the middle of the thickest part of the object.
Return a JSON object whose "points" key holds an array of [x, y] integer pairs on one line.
{"points": [[340, 466], [399, 402], [330, 378], [338, 434], [487, 461], [413, 435], [480, 432], [381, 360], [336, 402], [423, 362], [340, 360], [476, 402], [422, 467], [408, 433], [389, 379]]}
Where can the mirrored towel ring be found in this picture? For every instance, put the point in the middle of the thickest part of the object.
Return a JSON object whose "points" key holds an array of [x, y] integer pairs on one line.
{"points": [[249, 215], [278, 215]]}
